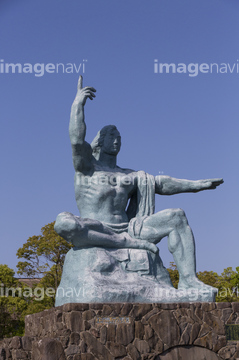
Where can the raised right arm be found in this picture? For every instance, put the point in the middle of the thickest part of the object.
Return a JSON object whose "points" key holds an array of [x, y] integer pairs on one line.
{"points": [[81, 150]]}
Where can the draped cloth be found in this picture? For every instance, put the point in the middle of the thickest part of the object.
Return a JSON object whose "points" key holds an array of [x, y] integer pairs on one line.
{"points": [[143, 204], [140, 208]]}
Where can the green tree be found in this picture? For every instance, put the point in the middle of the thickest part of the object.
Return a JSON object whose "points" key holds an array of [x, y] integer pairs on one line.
{"points": [[226, 286], [235, 279], [12, 305], [173, 273], [227, 283], [209, 277], [44, 256]]}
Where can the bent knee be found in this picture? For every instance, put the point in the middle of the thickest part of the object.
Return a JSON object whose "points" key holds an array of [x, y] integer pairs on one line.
{"points": [[179, 212], [65, 222], [180, 216]]}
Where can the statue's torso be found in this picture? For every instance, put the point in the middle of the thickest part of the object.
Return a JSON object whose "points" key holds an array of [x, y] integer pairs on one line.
{"points": [[104, 194]]}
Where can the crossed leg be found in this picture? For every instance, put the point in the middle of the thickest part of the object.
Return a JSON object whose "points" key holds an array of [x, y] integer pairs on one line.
{"points": [[173, 223], [87, 232]]}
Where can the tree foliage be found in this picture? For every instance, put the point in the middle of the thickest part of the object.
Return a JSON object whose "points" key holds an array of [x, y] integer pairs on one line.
{"points": [[12, 305], [226, 288], [43, 256], [227, 283], [173, 273]]}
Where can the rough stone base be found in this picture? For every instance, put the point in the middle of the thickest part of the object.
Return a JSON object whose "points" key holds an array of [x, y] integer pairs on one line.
{"points": [[97, 275], [127, 331]]}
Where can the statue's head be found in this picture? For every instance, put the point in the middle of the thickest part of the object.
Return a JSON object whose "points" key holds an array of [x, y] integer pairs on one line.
{"points": [[108, 140]]}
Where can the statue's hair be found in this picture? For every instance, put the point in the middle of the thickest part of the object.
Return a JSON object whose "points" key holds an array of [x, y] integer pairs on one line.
{"points": [[98, 141]]}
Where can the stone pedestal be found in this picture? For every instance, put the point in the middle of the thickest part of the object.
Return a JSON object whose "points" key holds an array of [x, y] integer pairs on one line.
{"points": [[97, 275], [127, 331]]}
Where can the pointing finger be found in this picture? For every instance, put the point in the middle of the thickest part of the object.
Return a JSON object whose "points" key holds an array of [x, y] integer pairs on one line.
{"points": [[80, 83], [217, 179]]}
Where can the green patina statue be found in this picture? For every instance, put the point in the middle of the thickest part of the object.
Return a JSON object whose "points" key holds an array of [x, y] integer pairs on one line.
{"points": [[115, 257]]}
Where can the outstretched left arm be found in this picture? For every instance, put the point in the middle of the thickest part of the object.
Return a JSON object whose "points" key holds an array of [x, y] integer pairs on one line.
{"points": [[166, 185]]}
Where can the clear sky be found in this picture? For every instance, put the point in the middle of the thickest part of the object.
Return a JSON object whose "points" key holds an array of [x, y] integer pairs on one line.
{"points": [[171, 123]]}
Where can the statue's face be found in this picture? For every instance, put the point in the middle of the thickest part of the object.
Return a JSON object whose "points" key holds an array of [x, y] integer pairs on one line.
{"points": [[112, 142]]}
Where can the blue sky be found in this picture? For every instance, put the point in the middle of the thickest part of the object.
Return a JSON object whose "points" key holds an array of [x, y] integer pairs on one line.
{"points": [[179, 125]]}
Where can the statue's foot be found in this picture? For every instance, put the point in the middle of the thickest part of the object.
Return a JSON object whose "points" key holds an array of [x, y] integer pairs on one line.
{"points": [[139, 244], [195, 283], [150, 246]]}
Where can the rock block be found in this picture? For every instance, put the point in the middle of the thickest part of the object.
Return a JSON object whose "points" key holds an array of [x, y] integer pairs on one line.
{"points": [[46, 349]]}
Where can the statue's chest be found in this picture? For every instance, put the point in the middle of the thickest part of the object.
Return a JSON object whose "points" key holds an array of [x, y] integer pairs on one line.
{"points": [[113, 179], [103, 183]]}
